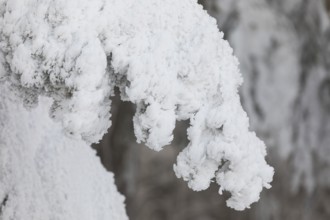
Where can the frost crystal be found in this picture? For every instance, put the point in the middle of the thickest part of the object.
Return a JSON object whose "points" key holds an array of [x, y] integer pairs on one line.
{"points": [[167, 57]]}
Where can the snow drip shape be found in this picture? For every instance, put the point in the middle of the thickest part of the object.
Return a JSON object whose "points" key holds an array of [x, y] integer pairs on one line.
{"points": [[166, 56]]}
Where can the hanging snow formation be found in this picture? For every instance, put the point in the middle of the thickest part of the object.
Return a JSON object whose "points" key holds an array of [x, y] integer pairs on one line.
{"points": [[167, 57]]}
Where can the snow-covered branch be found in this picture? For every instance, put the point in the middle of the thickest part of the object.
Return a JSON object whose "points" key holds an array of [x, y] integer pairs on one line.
{"points": [[167, 57]]}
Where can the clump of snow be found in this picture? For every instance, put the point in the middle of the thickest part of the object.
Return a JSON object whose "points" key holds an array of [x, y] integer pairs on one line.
{"points": [[45, 175], [167, 57]]}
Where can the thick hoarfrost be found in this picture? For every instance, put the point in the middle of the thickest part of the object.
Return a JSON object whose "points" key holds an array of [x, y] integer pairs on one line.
{"points": [[167, 57], [46, 175]]}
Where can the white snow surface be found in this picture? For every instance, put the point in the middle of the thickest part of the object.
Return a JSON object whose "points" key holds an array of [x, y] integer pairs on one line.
{"points": [[46, 175], [166, 56]]}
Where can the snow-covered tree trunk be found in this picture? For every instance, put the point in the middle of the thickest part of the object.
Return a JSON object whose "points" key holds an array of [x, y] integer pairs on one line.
{"points": [[47, 175]]}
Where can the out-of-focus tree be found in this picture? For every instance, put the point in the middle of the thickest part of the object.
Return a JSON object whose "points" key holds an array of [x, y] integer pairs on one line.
{"points": [[284, 50]]}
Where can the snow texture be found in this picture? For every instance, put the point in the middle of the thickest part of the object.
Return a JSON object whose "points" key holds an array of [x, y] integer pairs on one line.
{"points": [[45, 175], [167, 57]]}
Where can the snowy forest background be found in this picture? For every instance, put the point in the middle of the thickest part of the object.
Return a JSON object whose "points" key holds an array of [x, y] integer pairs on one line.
{"points": [[284, 51]]}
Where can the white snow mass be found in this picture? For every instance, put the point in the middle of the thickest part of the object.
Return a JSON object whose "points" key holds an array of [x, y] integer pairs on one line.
{"points": [[166, 56]]}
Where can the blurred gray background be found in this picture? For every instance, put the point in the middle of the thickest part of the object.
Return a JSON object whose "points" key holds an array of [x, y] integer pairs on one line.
{"points": [[284, 51]]}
